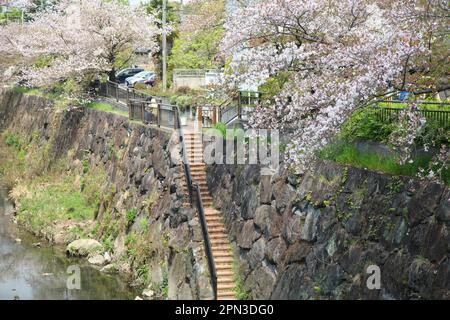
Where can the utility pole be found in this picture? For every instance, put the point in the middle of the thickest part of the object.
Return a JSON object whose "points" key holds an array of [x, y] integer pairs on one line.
{"points": [[164, 46]]}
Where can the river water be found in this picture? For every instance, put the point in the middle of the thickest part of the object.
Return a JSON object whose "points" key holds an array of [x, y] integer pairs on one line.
{"points": [[29, 272]]}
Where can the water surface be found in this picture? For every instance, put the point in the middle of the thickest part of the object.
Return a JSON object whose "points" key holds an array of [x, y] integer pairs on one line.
{"points": [[40, 273]]}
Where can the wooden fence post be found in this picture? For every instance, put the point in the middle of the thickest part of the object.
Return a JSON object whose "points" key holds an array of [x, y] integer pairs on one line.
{"points": [[215, 116], [130, 109], [117, 93], [174, 111], [158, 113]]}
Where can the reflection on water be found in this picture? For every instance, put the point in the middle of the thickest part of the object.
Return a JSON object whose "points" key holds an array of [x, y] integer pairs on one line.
{"points": [[29, 272]]}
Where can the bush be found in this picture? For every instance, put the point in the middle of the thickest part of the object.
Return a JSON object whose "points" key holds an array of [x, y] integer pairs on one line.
{"points": [[433, 134], [365, 124], [131, 216], [222, 128], [183, 91]]}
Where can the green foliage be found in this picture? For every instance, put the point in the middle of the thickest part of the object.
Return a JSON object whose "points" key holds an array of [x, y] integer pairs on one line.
{"points": [[14, 140], [44, 204], [275, 84], [196, 51], [43, 62], [108, 243], [131, 216], [365, 124], [222, 128], [144, 274], [434, 134], [346, 153], [144, 224], [163, 287], [106, 107]]}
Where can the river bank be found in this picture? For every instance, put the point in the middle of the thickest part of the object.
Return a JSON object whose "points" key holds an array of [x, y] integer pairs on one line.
{"points": [[33, 269]]}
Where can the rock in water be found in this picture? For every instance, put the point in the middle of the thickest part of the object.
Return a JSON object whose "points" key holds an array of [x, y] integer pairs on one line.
{"points": [[84, 247], [148, 293], [109, 268], [97, 260]]}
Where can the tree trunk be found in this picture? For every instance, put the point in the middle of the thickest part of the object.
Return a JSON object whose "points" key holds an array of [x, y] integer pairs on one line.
{"points": [[112, 75]]}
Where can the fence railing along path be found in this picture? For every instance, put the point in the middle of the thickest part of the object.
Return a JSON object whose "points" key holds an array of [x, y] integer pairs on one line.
{"points": [[151, 110], [438, 115]]}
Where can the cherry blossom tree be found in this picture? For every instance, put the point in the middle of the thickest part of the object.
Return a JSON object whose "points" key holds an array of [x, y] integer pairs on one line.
{"points": [[335, 56], [77, 38]]}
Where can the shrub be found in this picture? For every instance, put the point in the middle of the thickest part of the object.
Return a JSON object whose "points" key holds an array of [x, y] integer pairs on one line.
{"points": [[131, 216], [222, 128], [365, 124], [433, 134], [183, 90]]}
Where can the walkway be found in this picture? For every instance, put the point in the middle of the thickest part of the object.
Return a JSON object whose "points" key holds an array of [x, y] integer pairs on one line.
{"points": [[221, 247]]}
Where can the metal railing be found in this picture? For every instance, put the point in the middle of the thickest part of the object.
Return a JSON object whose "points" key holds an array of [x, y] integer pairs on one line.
{"points": [[120, 94], [250, 98], [151, 110], [198, 201], [229, 114], [393, 114]]}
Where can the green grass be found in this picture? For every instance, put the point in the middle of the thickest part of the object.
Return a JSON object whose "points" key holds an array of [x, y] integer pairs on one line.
{"points": [[421, 106], [60, 101], [106, 107], [58, 201], [348, 154], [131, 216]]}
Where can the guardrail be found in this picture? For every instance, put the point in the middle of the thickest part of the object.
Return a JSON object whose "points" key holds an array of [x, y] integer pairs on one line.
{"points": [[153, 111], [115, 91], [390, 113]]}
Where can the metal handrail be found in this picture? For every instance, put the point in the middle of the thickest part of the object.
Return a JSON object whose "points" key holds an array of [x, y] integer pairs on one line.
{"points": [[207, 241], [417, 102], [201, 211]]}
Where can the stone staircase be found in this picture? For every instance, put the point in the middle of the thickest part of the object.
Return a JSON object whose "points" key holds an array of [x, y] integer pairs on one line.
{"points": [[221, 248]]}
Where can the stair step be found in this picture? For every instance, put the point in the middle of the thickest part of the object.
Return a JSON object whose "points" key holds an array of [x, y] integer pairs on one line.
{"points": [[226, 280], [229, 286], [219, 242], [225, 298], [198, 174], [216, 225], [225, 273], [223, 255], [224, 261], [220, 248], [219, 236], [217, 230], [222, 267], [213, 217]]}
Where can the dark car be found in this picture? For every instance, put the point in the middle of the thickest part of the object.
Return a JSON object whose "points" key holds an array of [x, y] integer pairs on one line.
{"points": [[145, 77], [122, 75]]}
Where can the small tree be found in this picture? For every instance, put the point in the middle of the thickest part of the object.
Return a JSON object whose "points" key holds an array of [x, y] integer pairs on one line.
{"points": [[201, 31], [78, 38], [329, 58]]}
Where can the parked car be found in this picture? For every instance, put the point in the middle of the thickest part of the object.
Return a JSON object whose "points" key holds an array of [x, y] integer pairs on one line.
{"points": [[122, 75], [145, 77]]}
